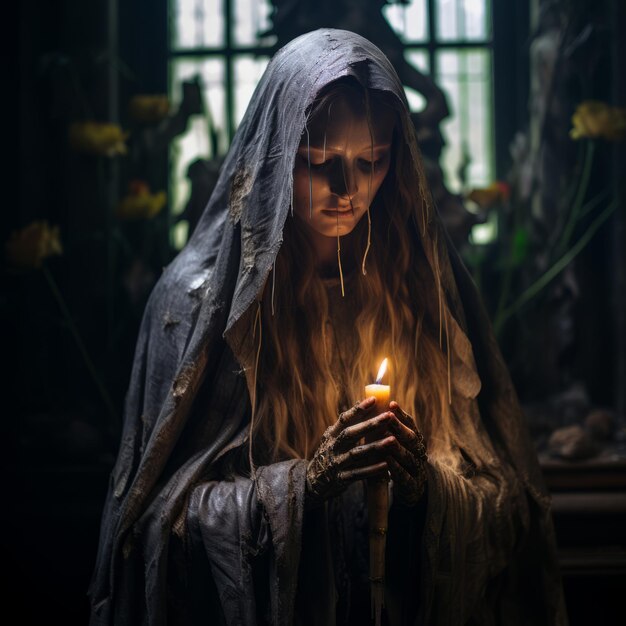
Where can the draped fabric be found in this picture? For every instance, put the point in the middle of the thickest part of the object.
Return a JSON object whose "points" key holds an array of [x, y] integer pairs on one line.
{"points": [[187, 539]]}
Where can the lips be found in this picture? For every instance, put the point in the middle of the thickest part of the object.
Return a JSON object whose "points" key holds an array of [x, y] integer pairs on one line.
{"points": [[342, 209], [338, 214]]}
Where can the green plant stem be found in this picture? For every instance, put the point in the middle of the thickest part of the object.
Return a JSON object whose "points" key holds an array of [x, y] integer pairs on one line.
{"points": [[508, 274], [574, 215], [555, 270], [593, 203], [504, 291], [79, 343]]}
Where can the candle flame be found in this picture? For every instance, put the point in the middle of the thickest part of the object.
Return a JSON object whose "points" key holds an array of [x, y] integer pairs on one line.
{"points": [[381, 371]]}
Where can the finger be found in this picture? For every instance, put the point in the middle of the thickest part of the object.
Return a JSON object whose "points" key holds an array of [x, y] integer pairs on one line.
{"points": [[365, 454], [405, 458], [373, 428], [406, 489], [401, 478], [349, 417], [403, 416], [411, 440], [359, 473]]}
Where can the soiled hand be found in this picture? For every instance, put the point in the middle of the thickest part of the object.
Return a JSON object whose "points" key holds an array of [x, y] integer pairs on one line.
{"points": [[339, 460], [407, 461], [395, 447]]}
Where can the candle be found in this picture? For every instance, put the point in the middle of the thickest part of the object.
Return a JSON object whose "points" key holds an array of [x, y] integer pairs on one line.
{"points": [[378, 390], [377, 507]]}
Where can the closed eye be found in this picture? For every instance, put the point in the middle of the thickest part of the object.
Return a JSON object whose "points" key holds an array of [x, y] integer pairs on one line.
{"points": [[364, 164], [368, 165], [312, 164]]}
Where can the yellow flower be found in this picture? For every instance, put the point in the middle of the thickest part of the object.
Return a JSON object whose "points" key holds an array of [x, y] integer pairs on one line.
{"points": [[139, 203], [28, 247], [97, 138], [149, 108], [597, 119], [487, 197]]}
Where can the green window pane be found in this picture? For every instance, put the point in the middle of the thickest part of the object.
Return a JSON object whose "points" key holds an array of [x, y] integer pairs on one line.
{"points": [[251, 17], [194, 143], [419, 59], [463, 20], [466, 78], [197, 24], [408, 20], [248, 70]]}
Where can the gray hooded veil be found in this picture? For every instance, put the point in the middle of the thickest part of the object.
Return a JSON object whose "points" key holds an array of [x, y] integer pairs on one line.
{"points": [[181, 545]]}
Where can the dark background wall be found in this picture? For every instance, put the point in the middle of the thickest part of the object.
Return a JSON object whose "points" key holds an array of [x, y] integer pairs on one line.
{"points": [[59, 437]]}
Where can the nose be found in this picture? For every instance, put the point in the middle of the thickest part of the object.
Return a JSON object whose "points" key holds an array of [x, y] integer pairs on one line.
{"points": [[342, 179]]}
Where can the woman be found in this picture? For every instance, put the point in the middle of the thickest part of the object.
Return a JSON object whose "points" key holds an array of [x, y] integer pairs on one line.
{"points": [[237, 496]]}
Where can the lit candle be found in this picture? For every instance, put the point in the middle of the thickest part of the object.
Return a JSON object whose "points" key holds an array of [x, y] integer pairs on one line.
{"points": [[378, 390], [378, 506]]}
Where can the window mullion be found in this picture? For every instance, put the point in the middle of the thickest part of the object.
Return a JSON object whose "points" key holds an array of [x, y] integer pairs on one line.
{"points": [[230, 87], [432, 36]]}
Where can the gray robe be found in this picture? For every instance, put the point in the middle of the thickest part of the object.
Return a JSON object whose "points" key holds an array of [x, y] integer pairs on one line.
{"points": [[180, 543]]}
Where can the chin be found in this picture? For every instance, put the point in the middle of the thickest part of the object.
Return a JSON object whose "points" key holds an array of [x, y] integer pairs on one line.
{"points": [[328, 227], [333, 231]]}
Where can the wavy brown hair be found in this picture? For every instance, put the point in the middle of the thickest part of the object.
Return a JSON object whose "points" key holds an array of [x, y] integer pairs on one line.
{"points": [[297, 397]]}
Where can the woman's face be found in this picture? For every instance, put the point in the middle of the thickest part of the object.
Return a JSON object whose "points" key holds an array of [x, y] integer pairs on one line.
{"points": [[333, 193]]}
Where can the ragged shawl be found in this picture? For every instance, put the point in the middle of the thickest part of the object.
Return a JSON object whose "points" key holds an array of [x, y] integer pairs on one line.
{"points": [[172, 534]]}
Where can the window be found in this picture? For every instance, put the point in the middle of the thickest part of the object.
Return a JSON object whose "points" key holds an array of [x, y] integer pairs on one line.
{"points": [[217, 40], [452, 41]]}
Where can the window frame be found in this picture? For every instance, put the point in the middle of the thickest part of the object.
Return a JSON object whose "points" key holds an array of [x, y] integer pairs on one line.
{"points": [[509, 86]]}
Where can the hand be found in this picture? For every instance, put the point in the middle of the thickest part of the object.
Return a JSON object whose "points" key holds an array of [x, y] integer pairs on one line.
{"points": [[407, 459], [339, 460]]}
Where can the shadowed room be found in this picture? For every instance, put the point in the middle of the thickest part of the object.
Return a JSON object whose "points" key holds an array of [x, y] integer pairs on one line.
{"points": [[169, 156]]}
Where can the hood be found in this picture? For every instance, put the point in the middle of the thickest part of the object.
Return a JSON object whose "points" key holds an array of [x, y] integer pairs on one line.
{"points": [[255, 186], [170, 441]]}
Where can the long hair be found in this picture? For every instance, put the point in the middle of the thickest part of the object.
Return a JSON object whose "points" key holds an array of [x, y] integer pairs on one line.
{"points": [[297, 395]]}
